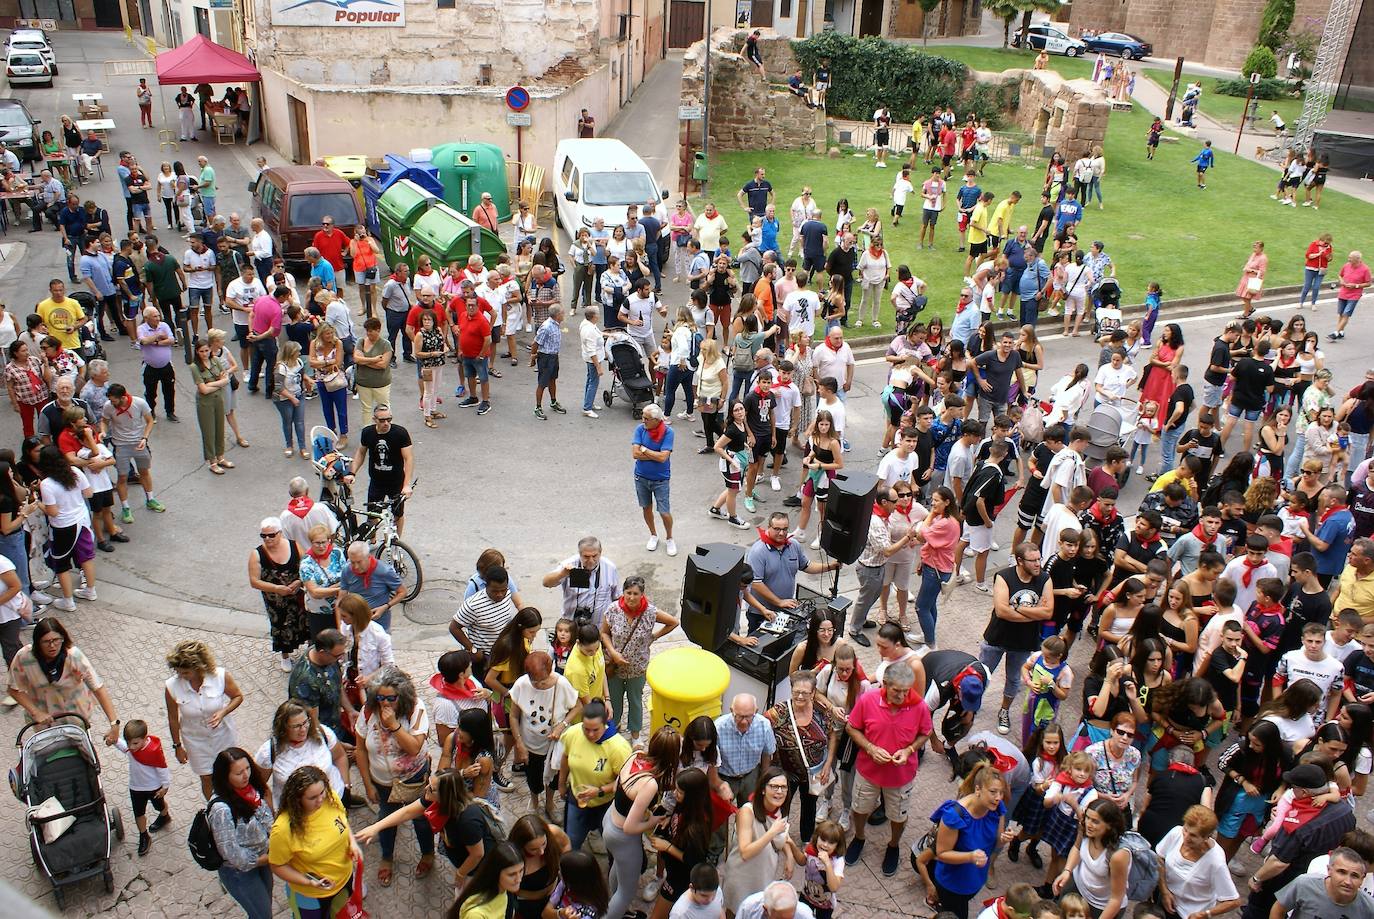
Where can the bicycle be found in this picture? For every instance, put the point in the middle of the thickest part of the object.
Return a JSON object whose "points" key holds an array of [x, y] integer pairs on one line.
{"points": [[377, 528]]}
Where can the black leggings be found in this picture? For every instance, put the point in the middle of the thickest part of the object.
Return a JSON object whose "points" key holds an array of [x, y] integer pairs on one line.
{"points": [[951, 902], [808, 805], [170, 205], [534, 773], [710, 424]]}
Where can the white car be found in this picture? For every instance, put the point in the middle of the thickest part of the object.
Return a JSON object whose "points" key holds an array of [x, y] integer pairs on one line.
{"points": [[32, 40], [1053, 40], [599, 177], [23, 68]]}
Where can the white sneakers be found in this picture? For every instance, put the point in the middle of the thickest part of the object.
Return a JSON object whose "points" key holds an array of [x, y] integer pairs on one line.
{"points": [[671, 546], [652, 544], [84, 593], [668, 544], [590, 414], [775, 483], [816, 543], [285, 664], [65, 604]]}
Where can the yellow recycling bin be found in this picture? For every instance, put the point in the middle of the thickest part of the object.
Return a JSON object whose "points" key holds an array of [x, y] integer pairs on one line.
{"points": [[686, 682]]}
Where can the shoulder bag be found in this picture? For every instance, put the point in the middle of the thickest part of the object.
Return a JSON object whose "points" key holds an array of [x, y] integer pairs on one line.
{"points": [[813, 782]]}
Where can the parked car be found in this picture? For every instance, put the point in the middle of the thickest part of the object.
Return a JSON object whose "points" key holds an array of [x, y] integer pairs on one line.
{"points": [[25, 68], [19, 129], [293, 202], [599, 177], [1052, 40], [32, 40], [1122, 45]]}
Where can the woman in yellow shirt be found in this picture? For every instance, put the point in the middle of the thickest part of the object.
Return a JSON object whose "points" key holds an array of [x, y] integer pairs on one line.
{"points": [[496, 880], [311, 847], [586, 667]]}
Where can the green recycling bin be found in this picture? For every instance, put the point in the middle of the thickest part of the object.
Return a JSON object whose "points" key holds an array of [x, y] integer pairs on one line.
{"points": [[398, 209], [447, 236], [469, 169], [699, 166]]}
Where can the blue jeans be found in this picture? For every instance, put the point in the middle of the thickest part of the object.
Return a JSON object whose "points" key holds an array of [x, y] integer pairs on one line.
{"points": [[335, 405], [579, 821], [387, 838], [1168, 448], [264, 356], [1359, 448], [396, 325], [651, 255], [633, 688], [292, 416], [250, 889], [991, 656], [677, 378], [593, 384], [1094, 188], [926, 599], [12, 548], [738, 380], [1311, 281], [1030, 311]]}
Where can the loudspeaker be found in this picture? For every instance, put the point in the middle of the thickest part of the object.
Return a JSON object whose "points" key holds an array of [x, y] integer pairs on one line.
{"points": [[710, 593], [848, 510]]}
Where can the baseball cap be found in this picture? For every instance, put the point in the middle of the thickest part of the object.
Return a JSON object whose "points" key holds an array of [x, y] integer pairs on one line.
{"points": [[1308, 777], [971, 693]]}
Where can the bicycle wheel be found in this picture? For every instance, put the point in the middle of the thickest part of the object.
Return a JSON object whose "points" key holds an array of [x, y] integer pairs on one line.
{"points": [[407, 565]]}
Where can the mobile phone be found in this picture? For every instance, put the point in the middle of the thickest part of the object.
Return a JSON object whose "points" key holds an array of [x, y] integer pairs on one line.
{"points": [[313, 878]]}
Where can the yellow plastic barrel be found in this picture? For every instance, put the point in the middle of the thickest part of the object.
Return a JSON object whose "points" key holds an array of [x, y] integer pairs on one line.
{"points": [[686, 683]]}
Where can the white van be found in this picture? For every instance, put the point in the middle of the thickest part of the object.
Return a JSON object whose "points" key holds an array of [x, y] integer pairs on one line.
{"points": [[599, 177]]}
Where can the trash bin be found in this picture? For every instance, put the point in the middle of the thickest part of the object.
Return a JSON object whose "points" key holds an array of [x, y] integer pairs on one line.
{"points": [[398, 209], [352, 167], [447, 236], [699, 166], [686, 682], [395, 169], [469, 169]]}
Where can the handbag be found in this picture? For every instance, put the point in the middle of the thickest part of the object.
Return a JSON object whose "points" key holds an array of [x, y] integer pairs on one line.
{"points": [[1253, 284], [333, 381], [814, 785], [409, 789], [426, 374], [353, 909]]}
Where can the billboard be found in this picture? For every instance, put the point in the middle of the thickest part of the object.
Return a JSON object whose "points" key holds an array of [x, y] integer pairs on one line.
{"points": [[343, 13]]}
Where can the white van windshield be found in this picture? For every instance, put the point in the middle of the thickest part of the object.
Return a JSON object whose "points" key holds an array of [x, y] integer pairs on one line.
{"points": [[609, 189]]}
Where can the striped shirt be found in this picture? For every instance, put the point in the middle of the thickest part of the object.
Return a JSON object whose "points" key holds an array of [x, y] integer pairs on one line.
{"points": [[483, 618], [742, 753]]}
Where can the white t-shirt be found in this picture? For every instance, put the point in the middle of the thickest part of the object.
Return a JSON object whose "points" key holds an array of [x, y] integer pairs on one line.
{"points": [[244, 295], [936, 189], [1057, 519], [495, 297], [900, 189], [100, 479], [1328, 673], [1210, 639], [431, 282], [801, 307], [380, 758], [832, 363], [687, 908], [960, 463], [13, 608], [1292, 730], [200, 269], [836, 411], [1199, 885], [289, 759], [787, 398], [893, 468], [1117, 382], [1066, 470], [1341, 652], [70, 502], [540, 709]]}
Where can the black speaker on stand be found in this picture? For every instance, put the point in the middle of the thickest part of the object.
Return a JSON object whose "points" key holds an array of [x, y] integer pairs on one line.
{"points": [[848, 511], [710, 593]]}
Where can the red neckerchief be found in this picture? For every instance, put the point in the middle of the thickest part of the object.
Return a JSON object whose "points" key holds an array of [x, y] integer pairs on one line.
{"points": [[1268, 609], [151, 755], [1287, 363], [1065, 779], [881, 511], [300, 506], [249, 794], [453, 691], [1049, 758], [962, 304], [1202, 536], [423, 274], [1183, 768], [768, 540], [128, 404], [1146, 543], [395, 277], [656, 434], [877, 251], [905, 513], [324, 556], [367, 575], [1000, 905], [1333, 509], [1249, 569], [633, 613], [1001, 761], [37, 382], [1095, 511]]}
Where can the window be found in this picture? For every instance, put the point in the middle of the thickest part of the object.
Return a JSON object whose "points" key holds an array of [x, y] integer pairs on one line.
{"points": [[484, 75], [575, 183], [567, 170], [613, 189], [785, 9], [309, 210]]}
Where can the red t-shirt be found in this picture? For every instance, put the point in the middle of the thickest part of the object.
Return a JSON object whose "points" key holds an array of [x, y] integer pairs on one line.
{"points": [[331, 247], [473, 333], [413, 317], [68, 442], [947, 138]]}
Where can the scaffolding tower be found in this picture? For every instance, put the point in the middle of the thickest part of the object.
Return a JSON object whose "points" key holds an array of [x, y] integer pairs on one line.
{"points": [[1326, 70]]}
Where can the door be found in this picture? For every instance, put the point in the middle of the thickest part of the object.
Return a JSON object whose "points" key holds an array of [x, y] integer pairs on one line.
{"points": [[761, 14], [871, 19], [954, 19], [145, 18], [300, 130], [803, 20], [686, 23], [202, 20], [107, 14], [910, 19]]}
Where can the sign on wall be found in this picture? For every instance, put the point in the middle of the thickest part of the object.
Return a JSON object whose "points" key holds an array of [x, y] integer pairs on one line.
{"points": [[341, 13]]}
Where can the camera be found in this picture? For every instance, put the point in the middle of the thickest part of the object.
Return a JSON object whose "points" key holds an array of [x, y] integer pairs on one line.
{"points": [[582, 614]]}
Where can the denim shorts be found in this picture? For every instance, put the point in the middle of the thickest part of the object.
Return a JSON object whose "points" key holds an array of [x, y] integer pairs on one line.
{"points": [[204, 295], [651, 492], [475, 367], [1250, 414], [1346, 307], [1242, 805]]}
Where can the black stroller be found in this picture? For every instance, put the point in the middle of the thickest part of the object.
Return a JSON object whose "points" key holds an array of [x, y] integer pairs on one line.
{"points": [[1107, 306], [91, 348], [628, 372]]}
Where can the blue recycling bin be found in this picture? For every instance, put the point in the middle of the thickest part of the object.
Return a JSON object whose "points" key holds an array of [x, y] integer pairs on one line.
{"points": [[425, 175]]}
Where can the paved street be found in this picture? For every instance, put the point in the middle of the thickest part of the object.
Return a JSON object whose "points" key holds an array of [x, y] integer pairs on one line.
{"points": [[530, 488]]}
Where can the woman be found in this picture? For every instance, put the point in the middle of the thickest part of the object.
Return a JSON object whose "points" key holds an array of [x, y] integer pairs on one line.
{"points": [[637, 808], [167, 192], [1287, 371], [1121, 613], [1179, 628], [683, 842], [240, 815], [839, 684], [1320, 441], [807, 737], [211, 379], [365, 251], [874, 270], [16, 508], [1157, 384], [297, 739], [218, 352], [26, 381], [328, 359], [1332, 741], [938, 534], [50, 675], [311, 847], [735, 447], [720, 286], [760, 842], [1098, 865], [506, 664], [186, 187], [818, 648], [1358, 721], [488, 895], [833, 307], [291, 383], [1251, 771], [1291, 711], [321, 572], [1235, 477], [542, 705], [683, 342], [274, 568], [64, 491], [1251, 285], [469, 748], [967, 831], [1193, 877], [430, 352], [892, 647], [1188, 715], [542, 845], [1273, 442], [1068, 395], [712, 380], [1099, 162], [680, 223], [200, 699], [1117, 763], [139, 186], [464, 825], [803, 375], [392, 762], [369, 645], [627, 631], [588, 769], [1032, 357], [1055, 173], [617, 245], [822, 458]]}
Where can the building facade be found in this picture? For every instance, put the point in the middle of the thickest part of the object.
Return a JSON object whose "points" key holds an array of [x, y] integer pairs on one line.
{"points": [[902, 19]]}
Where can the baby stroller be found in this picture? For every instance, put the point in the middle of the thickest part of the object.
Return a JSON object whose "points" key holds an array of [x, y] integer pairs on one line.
{"points": [[1107, 303], [628, 372], [60, 763], [331, 466], [1109, 425], [90, 347]]}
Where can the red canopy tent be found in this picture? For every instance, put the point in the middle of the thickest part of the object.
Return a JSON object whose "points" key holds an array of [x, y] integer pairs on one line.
{"points": [[202, 61]]}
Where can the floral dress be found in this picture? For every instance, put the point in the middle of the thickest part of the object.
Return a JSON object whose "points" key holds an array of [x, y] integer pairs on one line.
{"points": [[322, 572], [73, 689], [285, 615]]}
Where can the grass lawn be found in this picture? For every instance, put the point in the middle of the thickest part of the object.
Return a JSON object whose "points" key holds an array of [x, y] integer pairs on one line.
{"points": [[1227, 109], [1157, 224], [997, 60]]}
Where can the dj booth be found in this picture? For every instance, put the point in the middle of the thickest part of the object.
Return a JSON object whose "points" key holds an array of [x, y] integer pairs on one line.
{"points": [[762, 670]]}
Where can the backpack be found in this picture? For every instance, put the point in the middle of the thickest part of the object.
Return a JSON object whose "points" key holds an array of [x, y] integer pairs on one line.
{"points": [[743, 358], [495, 827], [1144, 874], [201, 841], [694, 355]]}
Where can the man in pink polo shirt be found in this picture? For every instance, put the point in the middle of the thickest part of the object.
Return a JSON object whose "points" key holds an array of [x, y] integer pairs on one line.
{"points": [[264, 325], [890, 725]]}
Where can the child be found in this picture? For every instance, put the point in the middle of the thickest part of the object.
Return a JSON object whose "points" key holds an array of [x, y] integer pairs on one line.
{"points": [[80, 438], [1071, 791], [1045, 753], [1153, 295], [1019, 901], [661, 358], [1311, 662], [1224, 606], [561, 643], [756, 230], [824, 864], [1074, 907], [1205, 159], [1340, 457], [900, 190], [703, 898], [149, 779], [1359, 670], [1291, 811], [1048, 679], [586, 668], [1146, 430], [1296, 507], [1342, 641], [581, 891], [1263, 625], [1226, 666], [1046, 909]]}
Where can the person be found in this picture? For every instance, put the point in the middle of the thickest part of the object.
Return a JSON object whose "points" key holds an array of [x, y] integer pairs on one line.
{"points": [[390, 755], [586, 595], [240, 817], [1205, 159], [1193, 876], [311, 847], [542, 704], [149, 780], [761, 841], [776, 901], [274, 569], [776, 560], [548, 339], [636, 809], [593, 754], [211, 377], [967, 829], [390, 462], [1099, 864], [652, 449], [1116, 762], [627, 631], [64, 491], [1355, 279], [51, 675], [1022, 598], [890, 732], [1340, 891], [807, 738], [200, 698]]}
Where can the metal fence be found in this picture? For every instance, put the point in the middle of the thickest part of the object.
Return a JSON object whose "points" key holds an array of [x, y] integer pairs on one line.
{"points": [[1007, 146]]}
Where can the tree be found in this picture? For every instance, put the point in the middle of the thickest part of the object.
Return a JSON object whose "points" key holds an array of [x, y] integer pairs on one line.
{"points": [[1274, 23], [1029, 7], [928, 7], [1007, 11]]}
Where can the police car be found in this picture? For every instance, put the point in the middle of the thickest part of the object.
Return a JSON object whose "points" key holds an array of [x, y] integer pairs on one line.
{"points": [[1052, 40]]}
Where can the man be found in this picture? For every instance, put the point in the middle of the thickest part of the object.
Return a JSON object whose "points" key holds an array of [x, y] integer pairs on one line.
{"points": [[932, 203], [1031, 508], [62, 315], [390, 462], [50, 422], [1175, 418], [776, 559], [238, 235], [474, 352], [652, 449], [1032, 286], [747, 746], [589, 581], [155, 341], [1355, 588], [1254, 378], [956, 679], [801, 307], [983, 494], [1022, 598], [317, 682], [260, 249], [264, 326], [890, 729], [979, 227], [756, 194], [127, 421], [1331, 541], [842, 261], [655, 251], [97, 273], [321, 269], [548, 339], [1065, 516], [593, 347], [1219, 367], [779, 901], [48, 196], [1338, 894], [71, 223], [1002, 217], [1292, 850], [372, 363], [871, 564], [331, 243], [813, 240], [1066, 471], [240, 295], [835, 358], [1206, 536], [586, 124], [994, 371], [1246, 571], [482, 616], [198, 263], [303, 514], [1362, 503], [207, 188], [125, 173], [165, 282], [800, 212], [374, 580]]}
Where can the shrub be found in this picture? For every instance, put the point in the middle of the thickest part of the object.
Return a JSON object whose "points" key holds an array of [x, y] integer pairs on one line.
{"points": [[1266, 89], [1260, 60]]}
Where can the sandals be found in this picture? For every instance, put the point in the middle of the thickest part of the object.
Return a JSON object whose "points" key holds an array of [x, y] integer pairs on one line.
{"points": [[424, 866], [214, 467], [304, 455], [438, 415], [384, 875], [494, 372], [226, 464], [287, 452], [429, 423], [242, 442], [514, 362]]}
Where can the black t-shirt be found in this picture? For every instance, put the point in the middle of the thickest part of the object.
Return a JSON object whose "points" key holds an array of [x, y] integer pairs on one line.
{"points": [[925, 448], [468, 829], [1046, 217], [1036, 487], [1016, 636], [1092, 688], [1009, 461], [1362, 509], [1182, 395], [385, 465], [738, 438], [1302, 609], [942, 667], [758, 411], [1221, 661], [1235, 532], [998, 373], [986, 483], [1253, 379], [1207, 449], [1142, 553], [1221, 357], [1359, 670], [1171, 793], [1063, 573], [757, 192]]}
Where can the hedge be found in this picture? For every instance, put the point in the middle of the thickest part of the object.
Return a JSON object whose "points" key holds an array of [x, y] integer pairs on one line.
{"points": [[1268, 88]]}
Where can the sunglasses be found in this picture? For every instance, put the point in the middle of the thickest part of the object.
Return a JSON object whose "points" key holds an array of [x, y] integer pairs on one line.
{"points": [[270, 535], [1122, 732], [390, 698]]}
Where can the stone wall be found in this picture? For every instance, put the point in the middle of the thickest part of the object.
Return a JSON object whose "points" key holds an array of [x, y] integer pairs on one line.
{"points": [[1067, 115], [747, 111]]}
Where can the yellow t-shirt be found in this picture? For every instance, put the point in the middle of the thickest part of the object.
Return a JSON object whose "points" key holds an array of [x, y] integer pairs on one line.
{"points": [[505, 671], [586, 673], [1001, 219], [591, 763], [320, 848], [62, 320], [475, 908], [1357, 593], [1172, 476], [976, 219]]}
